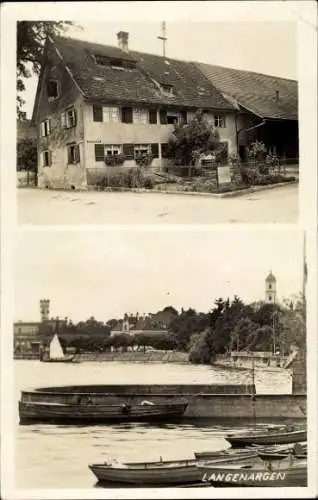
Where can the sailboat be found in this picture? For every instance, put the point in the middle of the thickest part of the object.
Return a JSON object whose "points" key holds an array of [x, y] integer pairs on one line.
{"points": [[56, 353]]}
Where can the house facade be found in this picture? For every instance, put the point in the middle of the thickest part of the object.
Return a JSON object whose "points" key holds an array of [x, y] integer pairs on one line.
{"points": [[95, 101]]}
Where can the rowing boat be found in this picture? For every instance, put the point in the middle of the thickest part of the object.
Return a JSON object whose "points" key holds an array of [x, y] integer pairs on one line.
{"points": [[49, 412]]}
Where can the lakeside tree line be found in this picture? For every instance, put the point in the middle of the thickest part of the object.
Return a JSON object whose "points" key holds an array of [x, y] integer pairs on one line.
{"points": [[230, 325]]}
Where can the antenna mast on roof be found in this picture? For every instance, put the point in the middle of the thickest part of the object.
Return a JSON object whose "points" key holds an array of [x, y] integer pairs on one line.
{"points": [[163, 38]]}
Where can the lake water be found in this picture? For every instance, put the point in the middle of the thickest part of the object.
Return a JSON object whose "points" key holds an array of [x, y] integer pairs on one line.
{"points": [[50, 456]]}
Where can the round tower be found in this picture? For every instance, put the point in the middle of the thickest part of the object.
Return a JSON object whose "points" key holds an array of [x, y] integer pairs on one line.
{"points": [[45, 309], [270, 289]]}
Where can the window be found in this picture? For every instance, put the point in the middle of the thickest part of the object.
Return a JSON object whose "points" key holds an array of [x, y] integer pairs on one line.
{"points": [[110, 114], [269, 287], [46, 158], [68, 118], [172, 119], [219, 121], [127, 115], [270, 298], [141, 149], [45, 128], [113, 150], [73, 154], [140, 115], [168, 89], [52, 89]]}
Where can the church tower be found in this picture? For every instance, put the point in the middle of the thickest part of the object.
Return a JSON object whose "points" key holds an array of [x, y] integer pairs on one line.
{"points": [[270, 289], [44, 309]]}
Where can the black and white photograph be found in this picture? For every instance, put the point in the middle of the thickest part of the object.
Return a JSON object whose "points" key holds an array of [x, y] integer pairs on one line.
{"points": [[138, 123], [159, 249], [132, 378]]}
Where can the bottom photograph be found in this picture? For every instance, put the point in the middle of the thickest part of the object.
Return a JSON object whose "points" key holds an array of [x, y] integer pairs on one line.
{"points": [[160, 359]]}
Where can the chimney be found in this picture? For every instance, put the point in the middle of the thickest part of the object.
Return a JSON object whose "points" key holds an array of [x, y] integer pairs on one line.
{"points": [[277, 95], [122, 37]]}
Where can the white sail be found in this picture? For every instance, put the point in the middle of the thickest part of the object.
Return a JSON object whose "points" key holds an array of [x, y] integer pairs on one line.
{"points": [[56, 351]]}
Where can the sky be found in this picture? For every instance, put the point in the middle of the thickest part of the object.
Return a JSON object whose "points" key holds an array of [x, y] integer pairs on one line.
{"points": [[107, 273], [265, 47]]}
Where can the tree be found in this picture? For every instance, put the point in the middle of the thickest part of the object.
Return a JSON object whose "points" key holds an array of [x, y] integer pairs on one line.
{"points": [[243, 335], [191, 139], [27, 156], [31, 37], [199, 348]]}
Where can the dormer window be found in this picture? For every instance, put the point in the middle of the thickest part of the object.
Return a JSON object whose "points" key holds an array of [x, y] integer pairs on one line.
{"points": [[52, 89], [167, 89], [115, 63]]}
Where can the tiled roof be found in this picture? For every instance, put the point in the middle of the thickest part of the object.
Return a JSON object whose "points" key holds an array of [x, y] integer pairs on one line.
{"points": [[191, 87], [256, 92]]}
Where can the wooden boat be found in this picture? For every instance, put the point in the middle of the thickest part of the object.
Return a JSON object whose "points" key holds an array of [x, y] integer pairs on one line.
{"points": [[266, 437], [226, 454], [148, 473], [56, 353], [101, 413], [263, 474], [298, 451]]}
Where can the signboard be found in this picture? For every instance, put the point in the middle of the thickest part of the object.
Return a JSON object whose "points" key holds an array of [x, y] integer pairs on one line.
{"points": [[224, 175]]}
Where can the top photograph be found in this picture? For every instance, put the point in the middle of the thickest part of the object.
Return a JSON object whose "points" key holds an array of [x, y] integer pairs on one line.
{"points": [[157, 123]]}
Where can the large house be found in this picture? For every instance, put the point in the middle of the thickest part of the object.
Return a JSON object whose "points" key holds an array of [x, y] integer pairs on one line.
{"points": [[95, 101]]}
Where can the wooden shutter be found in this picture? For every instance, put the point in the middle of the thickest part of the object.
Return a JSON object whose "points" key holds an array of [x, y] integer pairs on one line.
{"points": [[163, 117], [50, 158], [74, 117], [99, 152], [48, 127], [152, 116], [97, 113], [127, 115], [183, 117], [42, 129], [69, 155], [77, 154], [63, 120], [155, 150], [128, 150]]}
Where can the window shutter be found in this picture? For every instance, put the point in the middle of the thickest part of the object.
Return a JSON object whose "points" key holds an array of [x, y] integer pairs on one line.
{"points": [[50, 158], [77, 154], [42, 129], [99, 152], [128, 150], [183, 117], [97, 113], [152, 116], [163, 117], [69, 155], [63, 120], [41, 157], [48, 127], [155, 150], [74, 117], [127, 115]]}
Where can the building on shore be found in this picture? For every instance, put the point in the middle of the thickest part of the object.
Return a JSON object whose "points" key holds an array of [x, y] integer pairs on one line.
{"points": [[29, 337], [96, 102]]}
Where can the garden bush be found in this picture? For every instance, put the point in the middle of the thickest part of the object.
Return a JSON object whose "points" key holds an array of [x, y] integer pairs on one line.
{"points": [[114, 160], [132, 178], [143, 160]]}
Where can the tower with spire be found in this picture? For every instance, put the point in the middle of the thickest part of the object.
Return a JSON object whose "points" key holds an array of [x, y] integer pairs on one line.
{"points": [[270, 289]]}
